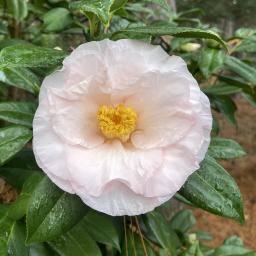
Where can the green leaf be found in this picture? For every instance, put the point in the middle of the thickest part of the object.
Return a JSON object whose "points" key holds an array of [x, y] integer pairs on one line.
{"points": [[3, 28], [18, 209], [214, 190], [19, 168], [41, 250], [247, 45], [225, 148], [118, 4], [162, 3], [231, 250], [134, 246], [210, 60], [222, 89], [18, 112], [57, 19], [227, 107], [241, 68], [183, 221], [76, 242], [29, 56], [18, 9], [193, 250], [21, 78], [234, 240], [12, 140], [5, 230], [16, 241], [51, 212], [160, 30], [165, 236], [101, 228], [101, 8]]}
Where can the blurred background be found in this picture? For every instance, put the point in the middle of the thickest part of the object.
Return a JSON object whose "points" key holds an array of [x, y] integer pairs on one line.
{"points": [[228, 16]]}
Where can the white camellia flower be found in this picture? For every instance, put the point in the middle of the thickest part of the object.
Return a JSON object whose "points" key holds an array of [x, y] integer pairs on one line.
{"points": [[122, 125]]}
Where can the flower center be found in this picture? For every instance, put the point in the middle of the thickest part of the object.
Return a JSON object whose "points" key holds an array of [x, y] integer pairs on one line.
{"points": [[118, 122]]}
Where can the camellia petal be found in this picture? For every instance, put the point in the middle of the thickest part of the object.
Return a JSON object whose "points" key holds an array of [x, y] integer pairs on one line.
{"points": [[122, 125]]}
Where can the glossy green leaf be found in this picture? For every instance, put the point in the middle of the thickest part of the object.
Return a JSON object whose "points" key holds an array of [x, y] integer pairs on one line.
{"points": [[18, 9], [29, 56], [18, 209], [16, 241], [18, 112], [241, 68], [183, 221], [101, 228], [57, 19], [227, 107], [76, 242], [101, 8], [51, 212], [12, 140], [160, 30], [21, 78], [133, 246], [19, 168], [225, 148], [5, 230], [213, 189], [222, 89], [210, 60], [162, 231]]}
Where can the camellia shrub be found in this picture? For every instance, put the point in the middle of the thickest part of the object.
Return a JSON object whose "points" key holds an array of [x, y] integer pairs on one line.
{"points": [[107, 112]]}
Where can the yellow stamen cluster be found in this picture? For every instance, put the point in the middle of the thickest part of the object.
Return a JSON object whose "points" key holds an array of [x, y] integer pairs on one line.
{"points": [[118, 122]]}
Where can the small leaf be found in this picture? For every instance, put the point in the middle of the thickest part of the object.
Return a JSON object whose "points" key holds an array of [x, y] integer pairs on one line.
{"points": [[210, 60], [101, 8], [162, 3], [231, 250], [241, 68], [18, 209], [21, 78], [118, 4], [222, 89], [100, 227], [165, 236], [19, 168], [29, 56], [18, 112], [16, 241], [76, 242], [135, 248], [18, 9], [234, 240], [183, 221], [227, 107], [160, 30], [225, 148], [51, 212], [213, 189], [247, 45], [57, 19], [12, 140]]}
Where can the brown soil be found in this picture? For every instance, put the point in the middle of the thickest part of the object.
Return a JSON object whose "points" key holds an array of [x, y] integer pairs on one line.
{"points": [[244, 172]]}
